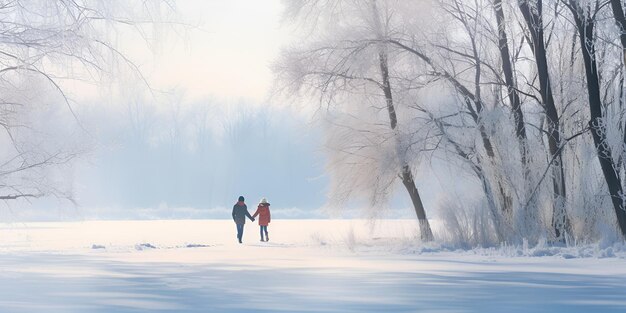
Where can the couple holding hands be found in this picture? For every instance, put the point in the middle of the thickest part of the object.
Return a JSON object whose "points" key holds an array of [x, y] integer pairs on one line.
{"points": [[240, 211]]}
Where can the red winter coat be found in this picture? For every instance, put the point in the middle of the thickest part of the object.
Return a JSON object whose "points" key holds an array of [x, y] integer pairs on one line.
{"points": [[263, 211]]}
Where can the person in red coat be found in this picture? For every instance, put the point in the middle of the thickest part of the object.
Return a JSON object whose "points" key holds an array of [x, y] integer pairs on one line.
{"points": [[263, 211]]}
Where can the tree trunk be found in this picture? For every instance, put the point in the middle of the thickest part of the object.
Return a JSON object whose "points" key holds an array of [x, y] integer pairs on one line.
{"points": [[511, 86], [534, 22], [507, 68], [409, 184], [620, 20], [585, 25], [406, 175]]}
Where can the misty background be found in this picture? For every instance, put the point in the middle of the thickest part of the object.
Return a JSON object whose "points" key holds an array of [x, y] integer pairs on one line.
{"points": [[191, 160], [199, 128]]}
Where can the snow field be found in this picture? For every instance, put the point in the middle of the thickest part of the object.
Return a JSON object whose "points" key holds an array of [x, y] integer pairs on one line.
{"points": [[308, 266]]}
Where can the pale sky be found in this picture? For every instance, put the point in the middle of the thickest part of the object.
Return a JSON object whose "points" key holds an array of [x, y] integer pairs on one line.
{"points": [[228, 56]]}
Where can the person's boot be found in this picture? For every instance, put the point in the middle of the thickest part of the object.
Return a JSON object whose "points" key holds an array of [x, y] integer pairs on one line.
{"points": [[267, 237]]}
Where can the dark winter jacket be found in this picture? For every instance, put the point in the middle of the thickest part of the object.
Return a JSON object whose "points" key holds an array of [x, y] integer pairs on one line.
{"points": [[240, 211]]}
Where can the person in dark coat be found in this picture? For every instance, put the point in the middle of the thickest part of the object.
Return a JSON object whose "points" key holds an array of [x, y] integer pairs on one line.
{"points": [[240, 211], [263, 211]]}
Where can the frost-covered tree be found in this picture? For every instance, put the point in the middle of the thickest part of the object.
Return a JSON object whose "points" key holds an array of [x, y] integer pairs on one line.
{"points": [[503, 90], [532, 12], [468, 65], [465, 65], [359, 83], [585, 15], [44, 46], [620, 20]]}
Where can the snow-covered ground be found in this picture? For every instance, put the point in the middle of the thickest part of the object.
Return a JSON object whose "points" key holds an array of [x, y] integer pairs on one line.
{"points": [[308, 266]]}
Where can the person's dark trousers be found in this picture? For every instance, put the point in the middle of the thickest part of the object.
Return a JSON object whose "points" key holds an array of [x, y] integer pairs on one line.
{"points": [[264, 229], [239, 232]]}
